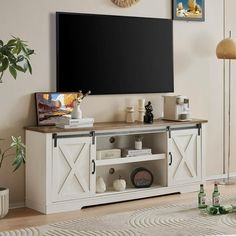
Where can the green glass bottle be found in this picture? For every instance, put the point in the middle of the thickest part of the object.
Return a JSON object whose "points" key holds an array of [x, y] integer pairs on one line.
{"points": [[233, 208], [216, 196], [202, 197], [212, 210], [227, 209]]}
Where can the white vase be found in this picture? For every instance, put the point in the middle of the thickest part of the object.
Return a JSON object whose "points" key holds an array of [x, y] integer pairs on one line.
{"points": [[138, 145], [4, 202], [76, 112], [100, 185]]}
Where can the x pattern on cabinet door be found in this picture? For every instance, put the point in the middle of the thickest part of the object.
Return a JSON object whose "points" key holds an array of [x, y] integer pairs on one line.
{"points": [[183, 153], [71, 169], [186, 157], [74, 167]]}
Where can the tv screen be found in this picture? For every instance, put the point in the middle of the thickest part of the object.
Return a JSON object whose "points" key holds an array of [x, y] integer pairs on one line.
{"points": [[114, 54]]}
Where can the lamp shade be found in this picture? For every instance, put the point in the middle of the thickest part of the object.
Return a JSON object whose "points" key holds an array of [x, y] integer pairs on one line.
{"points": [[226, 49]]}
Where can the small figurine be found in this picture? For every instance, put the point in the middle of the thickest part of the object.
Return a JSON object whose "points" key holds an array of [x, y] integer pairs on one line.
{"points": [[148, 118]]}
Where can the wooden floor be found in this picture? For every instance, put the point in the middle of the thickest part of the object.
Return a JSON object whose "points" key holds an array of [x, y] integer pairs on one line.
{"points": [[25, 217]]}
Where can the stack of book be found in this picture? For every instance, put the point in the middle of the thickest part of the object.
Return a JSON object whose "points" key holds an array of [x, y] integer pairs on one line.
{"points": [[136, 152], [67, 122]]}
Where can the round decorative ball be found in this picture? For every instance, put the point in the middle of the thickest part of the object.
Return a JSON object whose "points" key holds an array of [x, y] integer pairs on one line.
{"points": [[119, 184]]}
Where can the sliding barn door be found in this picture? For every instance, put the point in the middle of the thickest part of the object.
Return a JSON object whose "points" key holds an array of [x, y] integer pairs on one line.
{"points": [[184, 151], [72, 169]]}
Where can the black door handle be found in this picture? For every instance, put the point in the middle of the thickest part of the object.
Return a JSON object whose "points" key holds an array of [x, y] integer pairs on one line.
{"points": [[94, 167], [170, 154]]}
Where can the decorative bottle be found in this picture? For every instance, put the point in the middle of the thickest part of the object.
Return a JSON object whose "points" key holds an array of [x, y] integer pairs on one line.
{"points": [[227, 209], [216, 196], [202, 197], [212, 210]]}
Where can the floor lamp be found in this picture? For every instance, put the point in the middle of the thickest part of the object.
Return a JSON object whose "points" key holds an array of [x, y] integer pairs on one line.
{"points": [[226, 49]]}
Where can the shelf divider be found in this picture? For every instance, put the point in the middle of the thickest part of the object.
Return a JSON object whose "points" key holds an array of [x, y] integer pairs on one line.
{"points": [[124, 160]]}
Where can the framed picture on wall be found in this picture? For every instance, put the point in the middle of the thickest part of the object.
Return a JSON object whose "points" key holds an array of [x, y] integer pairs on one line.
{"points": [[188, 10], [50, 106]]}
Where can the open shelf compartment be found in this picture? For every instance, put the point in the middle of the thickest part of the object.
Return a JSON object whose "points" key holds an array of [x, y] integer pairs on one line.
{"points": [[109, 173]]}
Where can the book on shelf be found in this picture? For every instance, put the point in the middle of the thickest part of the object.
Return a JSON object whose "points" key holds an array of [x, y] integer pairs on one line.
{"points": [[136, 152], [69, 121], [63, 126]]}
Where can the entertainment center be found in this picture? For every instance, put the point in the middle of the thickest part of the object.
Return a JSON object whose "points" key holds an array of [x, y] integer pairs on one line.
{"points": [[62, 167], [113, 55]]}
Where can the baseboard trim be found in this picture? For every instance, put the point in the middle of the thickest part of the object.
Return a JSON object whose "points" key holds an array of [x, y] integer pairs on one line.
{"points": [[222, 176], [16, 205]]}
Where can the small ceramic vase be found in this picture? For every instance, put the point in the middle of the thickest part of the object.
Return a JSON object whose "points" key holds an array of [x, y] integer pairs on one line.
{"points": [[76, 112], [100, 185], [138, 144]]}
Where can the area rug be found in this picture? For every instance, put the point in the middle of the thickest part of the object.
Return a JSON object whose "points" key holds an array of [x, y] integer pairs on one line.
{"points": [[174, 219]]}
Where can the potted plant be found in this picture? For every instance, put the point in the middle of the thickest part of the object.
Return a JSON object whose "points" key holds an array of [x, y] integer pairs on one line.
{"points": [[14, 56], [19, 159]]}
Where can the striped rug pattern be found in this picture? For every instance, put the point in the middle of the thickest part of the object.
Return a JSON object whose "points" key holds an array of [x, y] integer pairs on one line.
{"points": [[178, 219]]}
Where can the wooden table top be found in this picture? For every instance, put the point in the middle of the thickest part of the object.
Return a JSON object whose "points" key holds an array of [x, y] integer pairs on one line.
{"points": [[100, 126]]}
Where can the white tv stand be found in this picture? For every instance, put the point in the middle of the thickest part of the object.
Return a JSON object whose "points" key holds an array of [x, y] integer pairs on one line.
{"points": [[61, 166]]}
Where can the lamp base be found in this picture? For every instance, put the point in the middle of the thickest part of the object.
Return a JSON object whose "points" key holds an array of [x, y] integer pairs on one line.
{"points": [[227, 181]]}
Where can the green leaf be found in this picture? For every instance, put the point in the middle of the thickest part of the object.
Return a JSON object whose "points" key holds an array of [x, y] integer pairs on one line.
{"points": [[30, 52], [13, 71], [11, 42], [4, 65], [24, 50], [14, 139], [19, 68], [11, 57], [29, 66], [20, 152], [14, 50], [1, 43], [18, 47], [17, 163]]}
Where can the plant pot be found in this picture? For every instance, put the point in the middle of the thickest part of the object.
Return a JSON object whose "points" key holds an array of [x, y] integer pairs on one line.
{"points": [[4, 201]]}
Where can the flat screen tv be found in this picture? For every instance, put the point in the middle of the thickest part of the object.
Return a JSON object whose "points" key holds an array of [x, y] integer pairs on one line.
{"points": [[114, 54]]}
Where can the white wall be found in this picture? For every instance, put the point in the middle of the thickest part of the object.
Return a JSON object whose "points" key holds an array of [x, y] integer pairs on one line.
{"points": [[198, 74]]}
